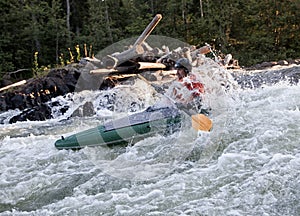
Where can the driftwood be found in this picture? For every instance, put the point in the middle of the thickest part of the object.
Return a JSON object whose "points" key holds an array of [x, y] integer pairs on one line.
{"points": [[142, 56], [134, 68], [165, 61], [150, 65], [137, 49], [13, 85]]}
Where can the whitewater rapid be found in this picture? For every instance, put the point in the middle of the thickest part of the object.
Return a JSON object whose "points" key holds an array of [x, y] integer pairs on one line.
{"points": [[249, 164]]}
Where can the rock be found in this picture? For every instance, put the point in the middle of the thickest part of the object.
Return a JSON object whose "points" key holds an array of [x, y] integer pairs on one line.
{"points": [[18, 101], [149, 76], [268, 77], [38, 113], [40, 90], [5, 82], [266, 64], [32, 97], [85, 110], [282, 62]]}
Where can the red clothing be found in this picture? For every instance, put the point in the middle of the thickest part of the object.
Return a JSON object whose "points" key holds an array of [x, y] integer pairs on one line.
{"points": [[193, 89], [196, 87]]}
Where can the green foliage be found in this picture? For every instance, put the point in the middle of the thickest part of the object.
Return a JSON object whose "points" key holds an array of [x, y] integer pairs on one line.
{"points": [[36, 69], [35, 63], [77, 53], [253, 31]]}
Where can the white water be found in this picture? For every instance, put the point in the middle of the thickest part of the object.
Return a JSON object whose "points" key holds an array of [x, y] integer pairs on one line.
{"points": [[248, 165]]}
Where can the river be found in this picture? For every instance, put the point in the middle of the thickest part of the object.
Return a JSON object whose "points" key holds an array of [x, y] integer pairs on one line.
{"points": [[249, 164]]}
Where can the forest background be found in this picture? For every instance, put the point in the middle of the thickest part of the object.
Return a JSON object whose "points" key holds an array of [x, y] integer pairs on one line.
{"points": [[36, 33]]}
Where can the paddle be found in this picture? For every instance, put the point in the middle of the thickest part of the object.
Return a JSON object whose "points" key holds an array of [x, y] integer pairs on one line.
{"points": [[199, 121]]}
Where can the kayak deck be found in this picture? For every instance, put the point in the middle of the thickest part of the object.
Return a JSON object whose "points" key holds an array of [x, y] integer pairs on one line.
{"points": [[129, 129]]}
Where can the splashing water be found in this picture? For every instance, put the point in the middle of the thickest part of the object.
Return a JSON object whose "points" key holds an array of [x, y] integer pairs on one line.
{"points": [[248, 164]]}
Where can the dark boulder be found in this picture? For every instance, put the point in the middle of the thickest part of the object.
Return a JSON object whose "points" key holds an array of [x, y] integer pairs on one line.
{"points": [[32, 98], [85, 110], [37, 113], [40, 90], [18, 101]]}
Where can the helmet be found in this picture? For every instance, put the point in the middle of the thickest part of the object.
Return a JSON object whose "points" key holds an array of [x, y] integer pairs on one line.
{"points": [[184, 63]]}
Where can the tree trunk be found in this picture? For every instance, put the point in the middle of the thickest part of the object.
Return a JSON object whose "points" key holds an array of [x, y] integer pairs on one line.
{"points": [[108, 24], [57, 48], [201, 8], [152, 7], [37, 43], [36, 39], [68, 19]]}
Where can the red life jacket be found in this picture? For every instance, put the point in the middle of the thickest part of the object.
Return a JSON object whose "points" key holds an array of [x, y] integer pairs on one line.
{"points": [[196, 87]]}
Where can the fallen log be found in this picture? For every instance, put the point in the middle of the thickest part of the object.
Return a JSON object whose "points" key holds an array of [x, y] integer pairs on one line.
{"points": [[13, 85], [148, 30], [150, 65], [166, 61], [111, 61], [202, 50], [104, 71], [129, 69]]}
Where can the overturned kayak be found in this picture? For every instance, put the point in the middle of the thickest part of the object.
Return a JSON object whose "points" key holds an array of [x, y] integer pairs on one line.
{"points": [[126, 130]]}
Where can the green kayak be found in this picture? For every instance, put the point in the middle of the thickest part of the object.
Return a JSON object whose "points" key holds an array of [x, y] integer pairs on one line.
{"points": [[126, 130]]}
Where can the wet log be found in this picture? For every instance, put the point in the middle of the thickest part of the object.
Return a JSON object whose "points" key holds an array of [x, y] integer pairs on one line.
{"points": [[112, 61]]}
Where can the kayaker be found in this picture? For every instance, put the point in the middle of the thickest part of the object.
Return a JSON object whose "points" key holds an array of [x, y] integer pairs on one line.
{"points": [[187, 88], [186, 91]]}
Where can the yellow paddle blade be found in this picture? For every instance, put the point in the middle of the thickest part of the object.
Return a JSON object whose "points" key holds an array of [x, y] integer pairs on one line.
{"points": [[201, 122]]}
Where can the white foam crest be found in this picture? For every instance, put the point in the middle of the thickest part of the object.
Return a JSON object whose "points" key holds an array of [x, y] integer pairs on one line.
{"points": [[148, 159], [219, 87], [122, 98], [5, 116]]}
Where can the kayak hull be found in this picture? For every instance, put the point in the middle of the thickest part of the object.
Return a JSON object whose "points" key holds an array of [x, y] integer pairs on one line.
{"points": [[126, 130]]}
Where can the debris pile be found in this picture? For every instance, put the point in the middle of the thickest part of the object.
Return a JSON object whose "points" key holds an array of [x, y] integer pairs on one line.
{"points": [[33, 96]]}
